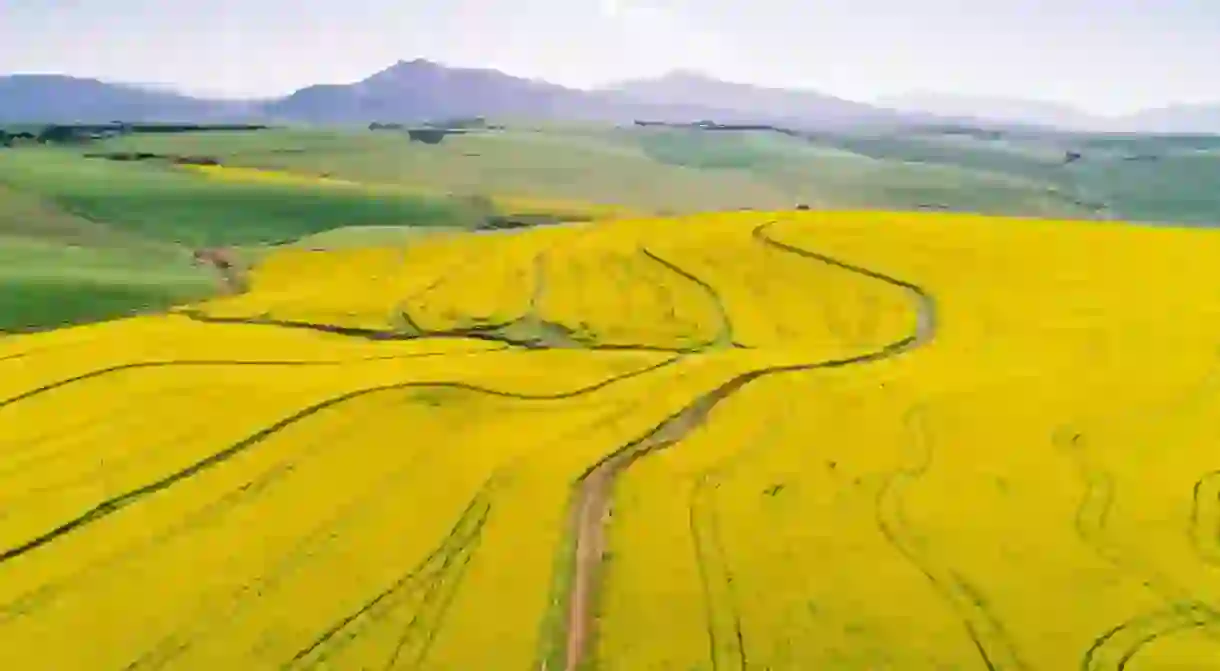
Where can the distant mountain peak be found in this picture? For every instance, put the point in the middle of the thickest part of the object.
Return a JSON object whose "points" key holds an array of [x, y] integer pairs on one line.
{"points": [[688, 73], [1006, 109], [400, 66], [422, 89]]}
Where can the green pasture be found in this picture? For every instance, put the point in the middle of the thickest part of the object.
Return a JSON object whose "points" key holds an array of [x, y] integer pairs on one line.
{"points": [[85, 238]]}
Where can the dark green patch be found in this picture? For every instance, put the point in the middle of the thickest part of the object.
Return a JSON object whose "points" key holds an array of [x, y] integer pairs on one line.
{"points": [[700, 149], [163, 203], [31, 305]]}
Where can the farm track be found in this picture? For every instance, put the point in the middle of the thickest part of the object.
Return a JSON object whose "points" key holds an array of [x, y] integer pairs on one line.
{"points": [[593, 499]]}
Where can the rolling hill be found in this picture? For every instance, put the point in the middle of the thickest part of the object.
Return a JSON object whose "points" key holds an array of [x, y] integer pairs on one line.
{"points": [[1170, 119], [422, 89], [63, 99], [642, 444], [746, 101], [1011, 110], [1178, 119]]}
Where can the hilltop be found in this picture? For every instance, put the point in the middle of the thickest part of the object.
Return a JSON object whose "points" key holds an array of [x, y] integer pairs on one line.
{"points": [[420, 89]]}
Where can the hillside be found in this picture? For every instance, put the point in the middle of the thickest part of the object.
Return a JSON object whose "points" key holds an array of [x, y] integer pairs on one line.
{"points": [[1007, 110], [1203, 118], [1170, 119], [87, 238], [624, 445], [63, 99], [745, 102], [421, 89]]}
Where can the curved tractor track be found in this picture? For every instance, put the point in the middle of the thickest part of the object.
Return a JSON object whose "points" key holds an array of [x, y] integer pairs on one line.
{"points": [[594, 489]]}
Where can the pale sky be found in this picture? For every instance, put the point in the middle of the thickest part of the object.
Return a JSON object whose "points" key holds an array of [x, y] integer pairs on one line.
{"points": [[1107, 56]]}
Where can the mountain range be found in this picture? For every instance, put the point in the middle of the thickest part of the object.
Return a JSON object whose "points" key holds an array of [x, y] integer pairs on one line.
{"points": [[421, 89], [1168, 119]]}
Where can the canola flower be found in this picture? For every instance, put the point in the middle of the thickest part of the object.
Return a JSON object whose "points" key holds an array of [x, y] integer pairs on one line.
{"points": [[1031, 489], [863, 440]]}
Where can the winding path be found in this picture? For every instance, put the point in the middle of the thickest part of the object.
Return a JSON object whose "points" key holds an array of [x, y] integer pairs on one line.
{"points": [[593, 497]]}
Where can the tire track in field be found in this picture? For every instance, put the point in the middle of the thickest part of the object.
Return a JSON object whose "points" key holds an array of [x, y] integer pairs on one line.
{"points": [[537, 332], [204, 363], [34, 350], [115, 504], [11, 504], [712, 561], [177, 643], [465, 533], [711, 558], [991, 639], [1205, 518], [725, 334], [501, 472], [570, 337], [527, 331], [28, 602], [487, 332], [20, 453], [1115, 648], [554, 336], [594, 492], [488, 329]]}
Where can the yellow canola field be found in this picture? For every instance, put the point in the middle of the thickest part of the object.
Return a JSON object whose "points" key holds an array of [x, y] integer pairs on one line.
{"points": [[1033, 488], [933, 442], [263, 176]]}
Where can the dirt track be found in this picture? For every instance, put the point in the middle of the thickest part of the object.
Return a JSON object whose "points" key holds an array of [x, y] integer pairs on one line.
{"points": [[593, 499]]}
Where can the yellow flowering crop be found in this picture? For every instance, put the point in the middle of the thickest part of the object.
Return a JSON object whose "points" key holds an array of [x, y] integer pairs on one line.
{"points": [[516, 205], [796, 441], [265, 176]]}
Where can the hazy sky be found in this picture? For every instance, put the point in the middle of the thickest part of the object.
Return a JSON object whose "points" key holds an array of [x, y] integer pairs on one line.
{"points": [[1109, 56]]}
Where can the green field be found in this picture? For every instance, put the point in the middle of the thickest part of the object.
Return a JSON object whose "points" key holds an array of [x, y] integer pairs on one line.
{"points": [[84, 239]]}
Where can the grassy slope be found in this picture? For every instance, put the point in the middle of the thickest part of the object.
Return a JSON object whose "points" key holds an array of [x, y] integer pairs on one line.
{"points": [[675, 170], [161, 203], [46, 284], [57, 269], [1175, 186], [1178, 186], [106, 209], [84, 239], [832, 174]]}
